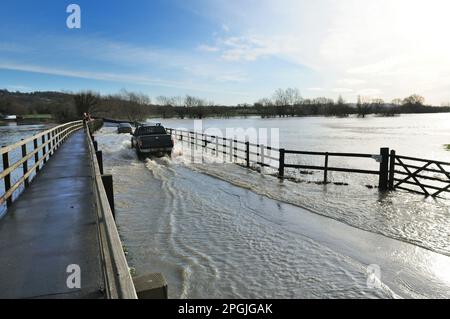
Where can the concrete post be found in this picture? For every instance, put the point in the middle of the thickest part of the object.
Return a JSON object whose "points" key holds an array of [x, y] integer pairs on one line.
{"points": [[151, 286]]}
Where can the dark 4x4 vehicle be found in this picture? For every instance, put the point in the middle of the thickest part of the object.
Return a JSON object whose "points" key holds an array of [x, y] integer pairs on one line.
{"points": [[125, 128], [152, 139]]}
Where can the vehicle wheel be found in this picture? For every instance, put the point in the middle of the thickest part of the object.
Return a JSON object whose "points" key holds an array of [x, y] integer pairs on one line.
{"points": [[140, 156], [169, 154]]}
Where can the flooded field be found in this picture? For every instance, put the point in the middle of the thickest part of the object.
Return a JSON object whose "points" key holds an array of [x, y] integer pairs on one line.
{"points": [[220, 230]]}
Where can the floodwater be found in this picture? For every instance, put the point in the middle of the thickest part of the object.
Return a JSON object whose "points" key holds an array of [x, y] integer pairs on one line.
{"points": [[12, 133], [218, 230]]}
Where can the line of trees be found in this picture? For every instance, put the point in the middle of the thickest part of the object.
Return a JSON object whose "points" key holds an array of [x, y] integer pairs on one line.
{"points": [[290, 103], [133, 106]]}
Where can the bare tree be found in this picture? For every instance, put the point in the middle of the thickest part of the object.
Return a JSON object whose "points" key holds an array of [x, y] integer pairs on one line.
{"points": [[163, 100], [86, 102], [414, 99], [293, 96], [280, 98], [362, 107]]}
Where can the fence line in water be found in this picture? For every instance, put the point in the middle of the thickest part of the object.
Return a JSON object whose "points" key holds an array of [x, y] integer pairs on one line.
{"points": [[278, 159]]}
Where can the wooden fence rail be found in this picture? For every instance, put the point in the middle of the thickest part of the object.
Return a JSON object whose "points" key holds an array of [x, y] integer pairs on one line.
{"points": [[393, 172], [116, 274], [417, 175], [263, 156], [50, 140]]}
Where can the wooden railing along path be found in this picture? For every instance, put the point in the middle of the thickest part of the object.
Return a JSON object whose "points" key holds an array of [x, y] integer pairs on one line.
{"points": [[117, 278], [45, 145]]}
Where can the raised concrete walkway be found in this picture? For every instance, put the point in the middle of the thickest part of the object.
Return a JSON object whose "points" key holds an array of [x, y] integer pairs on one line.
{"points": [[51, 226]]}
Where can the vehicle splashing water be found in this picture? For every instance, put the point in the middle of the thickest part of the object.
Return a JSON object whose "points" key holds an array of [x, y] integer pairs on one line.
{"points": [[222, 231]]}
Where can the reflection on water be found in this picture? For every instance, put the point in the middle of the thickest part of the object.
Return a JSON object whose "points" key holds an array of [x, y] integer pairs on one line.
{"points": [[11, 132], [213, 239], [417, 135]]}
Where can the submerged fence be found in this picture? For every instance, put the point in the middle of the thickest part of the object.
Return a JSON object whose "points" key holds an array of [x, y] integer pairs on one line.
{"points": [[393, 171]]}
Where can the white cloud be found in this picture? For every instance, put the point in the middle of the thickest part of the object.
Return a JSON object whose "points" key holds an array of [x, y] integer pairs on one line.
{"points": [[394, 48], [316, 89], [129, 64], [114, 77], [351, 82], [12, 47], [19, 88], [207, 48], [342, 90], [369, 92], [385, 48]]}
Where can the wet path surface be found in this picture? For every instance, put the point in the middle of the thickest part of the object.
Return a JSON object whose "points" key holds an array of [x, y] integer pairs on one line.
{"points": [[51, 226]]}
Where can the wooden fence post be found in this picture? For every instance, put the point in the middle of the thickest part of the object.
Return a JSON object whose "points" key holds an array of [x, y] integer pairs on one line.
{"points": [[247, 153], [56, 139], [217, 146], [7, 178], [224, 149], [281, 163], [391, 170], [49, 146], [384, 169], [25, 164], [191, 135], [44, 149], [325, 172], [100, 160], [262, 158], [36, 155], [109, 188]]}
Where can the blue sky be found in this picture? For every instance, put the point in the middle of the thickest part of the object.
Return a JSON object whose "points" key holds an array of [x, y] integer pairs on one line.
{"points": [[229, 51]]}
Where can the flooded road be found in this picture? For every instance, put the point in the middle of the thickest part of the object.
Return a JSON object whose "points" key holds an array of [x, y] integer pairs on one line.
{"points": [[221, 231]]}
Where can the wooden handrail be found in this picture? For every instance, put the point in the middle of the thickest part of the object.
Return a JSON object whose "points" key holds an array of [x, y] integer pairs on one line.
{"points": [[117, 277], [31, 154], [9, 148], [48, 147]]}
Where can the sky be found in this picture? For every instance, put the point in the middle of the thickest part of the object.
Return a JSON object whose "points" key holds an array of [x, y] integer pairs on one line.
{"points": [[230, 51]]}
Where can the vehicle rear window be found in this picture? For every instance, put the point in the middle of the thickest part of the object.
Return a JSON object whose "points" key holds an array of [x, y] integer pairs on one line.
{"points": [[149, 130]]}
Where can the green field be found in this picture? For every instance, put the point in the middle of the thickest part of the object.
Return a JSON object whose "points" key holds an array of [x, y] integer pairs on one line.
{"points": [[37, 117]]}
